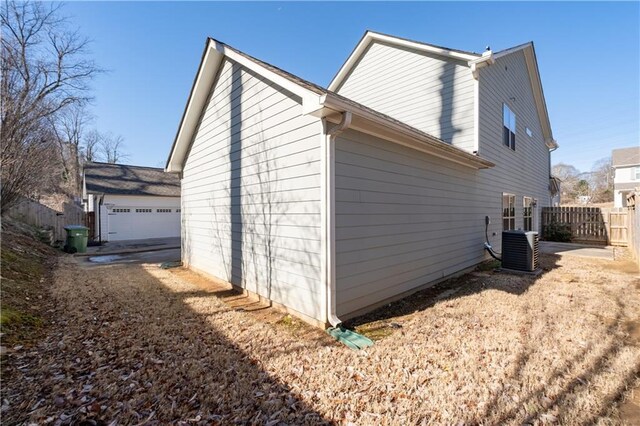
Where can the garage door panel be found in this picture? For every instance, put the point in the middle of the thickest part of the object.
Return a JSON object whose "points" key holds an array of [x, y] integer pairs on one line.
{"points": [[135, 223]]}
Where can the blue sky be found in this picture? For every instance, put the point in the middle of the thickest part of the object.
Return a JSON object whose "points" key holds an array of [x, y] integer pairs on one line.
{"points": [[588, 56]]}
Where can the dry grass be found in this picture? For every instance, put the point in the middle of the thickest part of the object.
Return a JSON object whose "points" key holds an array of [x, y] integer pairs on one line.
{"points": [[140, 344]]}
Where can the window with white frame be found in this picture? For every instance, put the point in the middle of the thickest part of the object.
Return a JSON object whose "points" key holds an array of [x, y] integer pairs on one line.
{"points": [[527, 213], [508, 127], [143, 210], [636, 173], [163, 210], [508, 212], [120, 210]]}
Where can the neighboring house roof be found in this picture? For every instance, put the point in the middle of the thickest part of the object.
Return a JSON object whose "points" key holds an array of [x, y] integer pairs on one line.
{"points": [[122, 179], [474, 61], [316, 101], [625, 157]]}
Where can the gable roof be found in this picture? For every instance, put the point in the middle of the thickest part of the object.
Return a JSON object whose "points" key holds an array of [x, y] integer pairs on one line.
{"points": [[625, 157], [474, 61], [316, 101], [370, 37], [122, 179], [529, 52]]}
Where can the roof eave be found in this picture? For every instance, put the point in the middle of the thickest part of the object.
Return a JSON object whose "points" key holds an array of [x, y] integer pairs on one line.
{"points": [[212, 58], [370, 123]]}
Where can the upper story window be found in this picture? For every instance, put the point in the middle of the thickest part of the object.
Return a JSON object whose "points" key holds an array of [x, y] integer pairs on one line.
{"points": [[508, 127], [636, 173]]}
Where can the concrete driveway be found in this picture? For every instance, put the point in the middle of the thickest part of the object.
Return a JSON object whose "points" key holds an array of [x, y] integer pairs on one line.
{"points": [[133, 246], [580, 250], [151, 250], [140, 257]]}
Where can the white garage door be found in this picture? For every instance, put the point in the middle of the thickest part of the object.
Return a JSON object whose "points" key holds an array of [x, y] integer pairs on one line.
{"points": [[135, 223]]}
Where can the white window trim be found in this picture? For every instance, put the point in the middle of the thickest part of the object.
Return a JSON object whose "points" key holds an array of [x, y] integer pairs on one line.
{"points": [[512, 211], [512, 143], [524, 210]]}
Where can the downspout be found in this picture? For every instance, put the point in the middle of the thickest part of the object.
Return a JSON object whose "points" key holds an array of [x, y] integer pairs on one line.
{"points": [[100, 219], [550, 151], [330, 282]]}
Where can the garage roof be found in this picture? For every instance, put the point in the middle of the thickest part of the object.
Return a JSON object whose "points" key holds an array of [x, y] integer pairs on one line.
{"points": [[123, 179]]}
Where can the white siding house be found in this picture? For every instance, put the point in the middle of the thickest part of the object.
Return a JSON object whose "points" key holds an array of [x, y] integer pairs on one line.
{"points": [[332, 202], [131, 202], [626, 178]]}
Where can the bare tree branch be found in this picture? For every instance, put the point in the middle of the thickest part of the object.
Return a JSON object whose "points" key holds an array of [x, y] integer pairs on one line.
{"points": [[45, 75]]}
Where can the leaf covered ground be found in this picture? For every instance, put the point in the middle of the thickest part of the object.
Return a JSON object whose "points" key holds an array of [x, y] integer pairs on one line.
{"points": [[135, 344]]}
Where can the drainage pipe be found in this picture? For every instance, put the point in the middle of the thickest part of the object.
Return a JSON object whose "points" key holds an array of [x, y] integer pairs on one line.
{"points": [[330, 275]]}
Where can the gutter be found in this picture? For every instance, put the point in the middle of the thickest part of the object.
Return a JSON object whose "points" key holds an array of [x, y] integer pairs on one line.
{"points": [[552, 148], [485, 60], [420, 140], [329, 271]]}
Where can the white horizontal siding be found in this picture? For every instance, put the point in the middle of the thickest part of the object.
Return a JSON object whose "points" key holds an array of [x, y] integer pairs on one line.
{"points": [[525, 171], [403, 219], [251, 191], [431, 93]]}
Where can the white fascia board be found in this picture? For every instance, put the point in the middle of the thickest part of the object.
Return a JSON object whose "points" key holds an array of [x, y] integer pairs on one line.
{"points": [[207, 73], [279, 80], [371, 37], [513, 49], [212, 59]]}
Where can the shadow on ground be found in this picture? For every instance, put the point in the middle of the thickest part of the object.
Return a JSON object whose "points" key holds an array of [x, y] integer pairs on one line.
{"points": [[131, 350]]}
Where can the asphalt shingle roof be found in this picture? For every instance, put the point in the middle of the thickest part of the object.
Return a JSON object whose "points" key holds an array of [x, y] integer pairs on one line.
{"points": [[625, 156], [122, 179]]}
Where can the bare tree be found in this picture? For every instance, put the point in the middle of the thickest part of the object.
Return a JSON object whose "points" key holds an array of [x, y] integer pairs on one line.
{"points": [[569, 177], [112, 148], [601, 180], [44, 70], [69, 125], [90, 146]]}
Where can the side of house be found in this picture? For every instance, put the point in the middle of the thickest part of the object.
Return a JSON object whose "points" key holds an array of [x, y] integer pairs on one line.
{"points": [[251, 191], [404, 219], [325, 205]]}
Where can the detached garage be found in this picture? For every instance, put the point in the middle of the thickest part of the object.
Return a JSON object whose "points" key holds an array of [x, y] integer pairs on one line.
{"points": [[126, 202]]}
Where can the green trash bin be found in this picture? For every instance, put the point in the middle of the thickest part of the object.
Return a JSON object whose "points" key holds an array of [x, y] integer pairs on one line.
{"points": [[77, 236]]}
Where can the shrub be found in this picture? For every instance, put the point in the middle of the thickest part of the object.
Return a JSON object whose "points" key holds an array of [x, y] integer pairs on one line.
{"points": [[558, 231]]}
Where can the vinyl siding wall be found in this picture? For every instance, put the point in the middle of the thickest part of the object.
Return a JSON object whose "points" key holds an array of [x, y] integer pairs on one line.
{"points": [[405, 219], [424, 91], [251, 192], [525, 171]]}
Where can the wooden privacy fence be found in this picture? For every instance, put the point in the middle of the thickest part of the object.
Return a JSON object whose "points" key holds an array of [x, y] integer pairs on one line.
{"points": [[588, 224], [41, 216]]}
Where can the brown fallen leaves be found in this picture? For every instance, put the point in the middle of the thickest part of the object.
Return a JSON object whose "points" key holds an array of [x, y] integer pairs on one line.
{"points": [[140, 345]]}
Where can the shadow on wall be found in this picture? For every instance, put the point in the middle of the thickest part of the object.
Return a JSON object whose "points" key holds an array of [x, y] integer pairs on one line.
{"points": [[254, 220], [235, 176], [447, 92]]}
